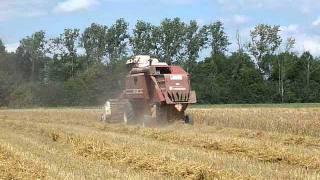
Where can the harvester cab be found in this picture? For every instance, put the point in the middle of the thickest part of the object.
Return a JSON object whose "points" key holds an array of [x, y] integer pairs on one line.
{"points": [[154, 93]]}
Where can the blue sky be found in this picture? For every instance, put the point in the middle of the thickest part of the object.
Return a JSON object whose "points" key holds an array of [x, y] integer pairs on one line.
{"points": [[297, 18]]}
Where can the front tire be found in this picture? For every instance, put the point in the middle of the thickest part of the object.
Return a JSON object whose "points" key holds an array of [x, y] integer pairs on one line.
{"points": [[160, 113], [103, 118], [129, 115], [188, 120]]}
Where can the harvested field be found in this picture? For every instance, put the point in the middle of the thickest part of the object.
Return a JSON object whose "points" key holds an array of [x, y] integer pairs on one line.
{"points": [[224, 143]]}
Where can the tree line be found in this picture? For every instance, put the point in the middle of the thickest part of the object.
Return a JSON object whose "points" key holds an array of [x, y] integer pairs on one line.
{"points": [[84, 68]]}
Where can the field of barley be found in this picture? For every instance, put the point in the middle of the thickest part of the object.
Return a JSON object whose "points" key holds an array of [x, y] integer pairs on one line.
{"points": [[224, 143]]}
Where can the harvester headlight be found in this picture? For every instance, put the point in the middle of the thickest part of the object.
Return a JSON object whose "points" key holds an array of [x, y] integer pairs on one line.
{"points": [[178, 107]]}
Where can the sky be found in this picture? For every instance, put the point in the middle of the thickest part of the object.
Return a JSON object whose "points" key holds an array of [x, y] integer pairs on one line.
{"points": [[297, 18]]}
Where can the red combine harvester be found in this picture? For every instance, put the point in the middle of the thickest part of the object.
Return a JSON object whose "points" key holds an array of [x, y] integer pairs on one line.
{"points": [[154, 93]]}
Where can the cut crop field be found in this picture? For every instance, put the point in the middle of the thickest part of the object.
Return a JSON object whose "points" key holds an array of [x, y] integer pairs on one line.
{"points": [[224, 143]]}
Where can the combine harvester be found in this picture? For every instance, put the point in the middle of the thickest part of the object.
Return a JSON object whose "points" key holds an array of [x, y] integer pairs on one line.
{"points": [[155, 93]]}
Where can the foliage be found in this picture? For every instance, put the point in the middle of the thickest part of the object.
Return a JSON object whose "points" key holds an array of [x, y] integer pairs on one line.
{"points": [[142, 40], [52, 72], [171, 38], [195, 41], [94, 41], [117, 40], [2, 47], [218, 39], [31, 53], [265, 40], [64, 49]]}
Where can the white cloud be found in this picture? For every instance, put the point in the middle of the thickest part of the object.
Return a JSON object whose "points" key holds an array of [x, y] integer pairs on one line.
{"points": [[240, 19], [234, 21], [170, 2], [75, 5], [312, 45], [245, 32], [178, 1], [305, 40], [303, 6], [290, 29], [308, 42], [247, 4], [16, 8], [201, 22], [12, 47], [10, 9], [316, 22]]}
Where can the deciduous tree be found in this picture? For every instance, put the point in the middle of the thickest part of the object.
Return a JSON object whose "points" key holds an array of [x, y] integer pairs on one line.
{"points": [[171, 39], [195, 41], [218, 39], [31, 51], [265, 40], [64, 49], [117, 40], [142, 41], [94, 41], [2, 47]]}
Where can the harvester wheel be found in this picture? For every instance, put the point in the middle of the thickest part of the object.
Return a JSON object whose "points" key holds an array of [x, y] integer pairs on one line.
{"points": [[103, 118], [188, 119], [128, 115], [159, 114]]}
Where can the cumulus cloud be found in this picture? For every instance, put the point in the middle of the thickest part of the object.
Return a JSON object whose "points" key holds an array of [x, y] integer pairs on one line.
{"points": [[316, 22], [179, 2], [303, 6], [290, 29], [305, 39], [12, 47], [75, 5], [201, 22], [308, 42], [240, 19], [10, 9], [234, 21], [16, 8]]}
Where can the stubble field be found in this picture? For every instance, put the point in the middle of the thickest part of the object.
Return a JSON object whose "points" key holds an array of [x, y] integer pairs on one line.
{"points": [[224, 143]]}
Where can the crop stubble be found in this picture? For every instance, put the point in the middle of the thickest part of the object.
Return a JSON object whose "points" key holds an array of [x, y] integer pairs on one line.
{"points": [[225, 143]]}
